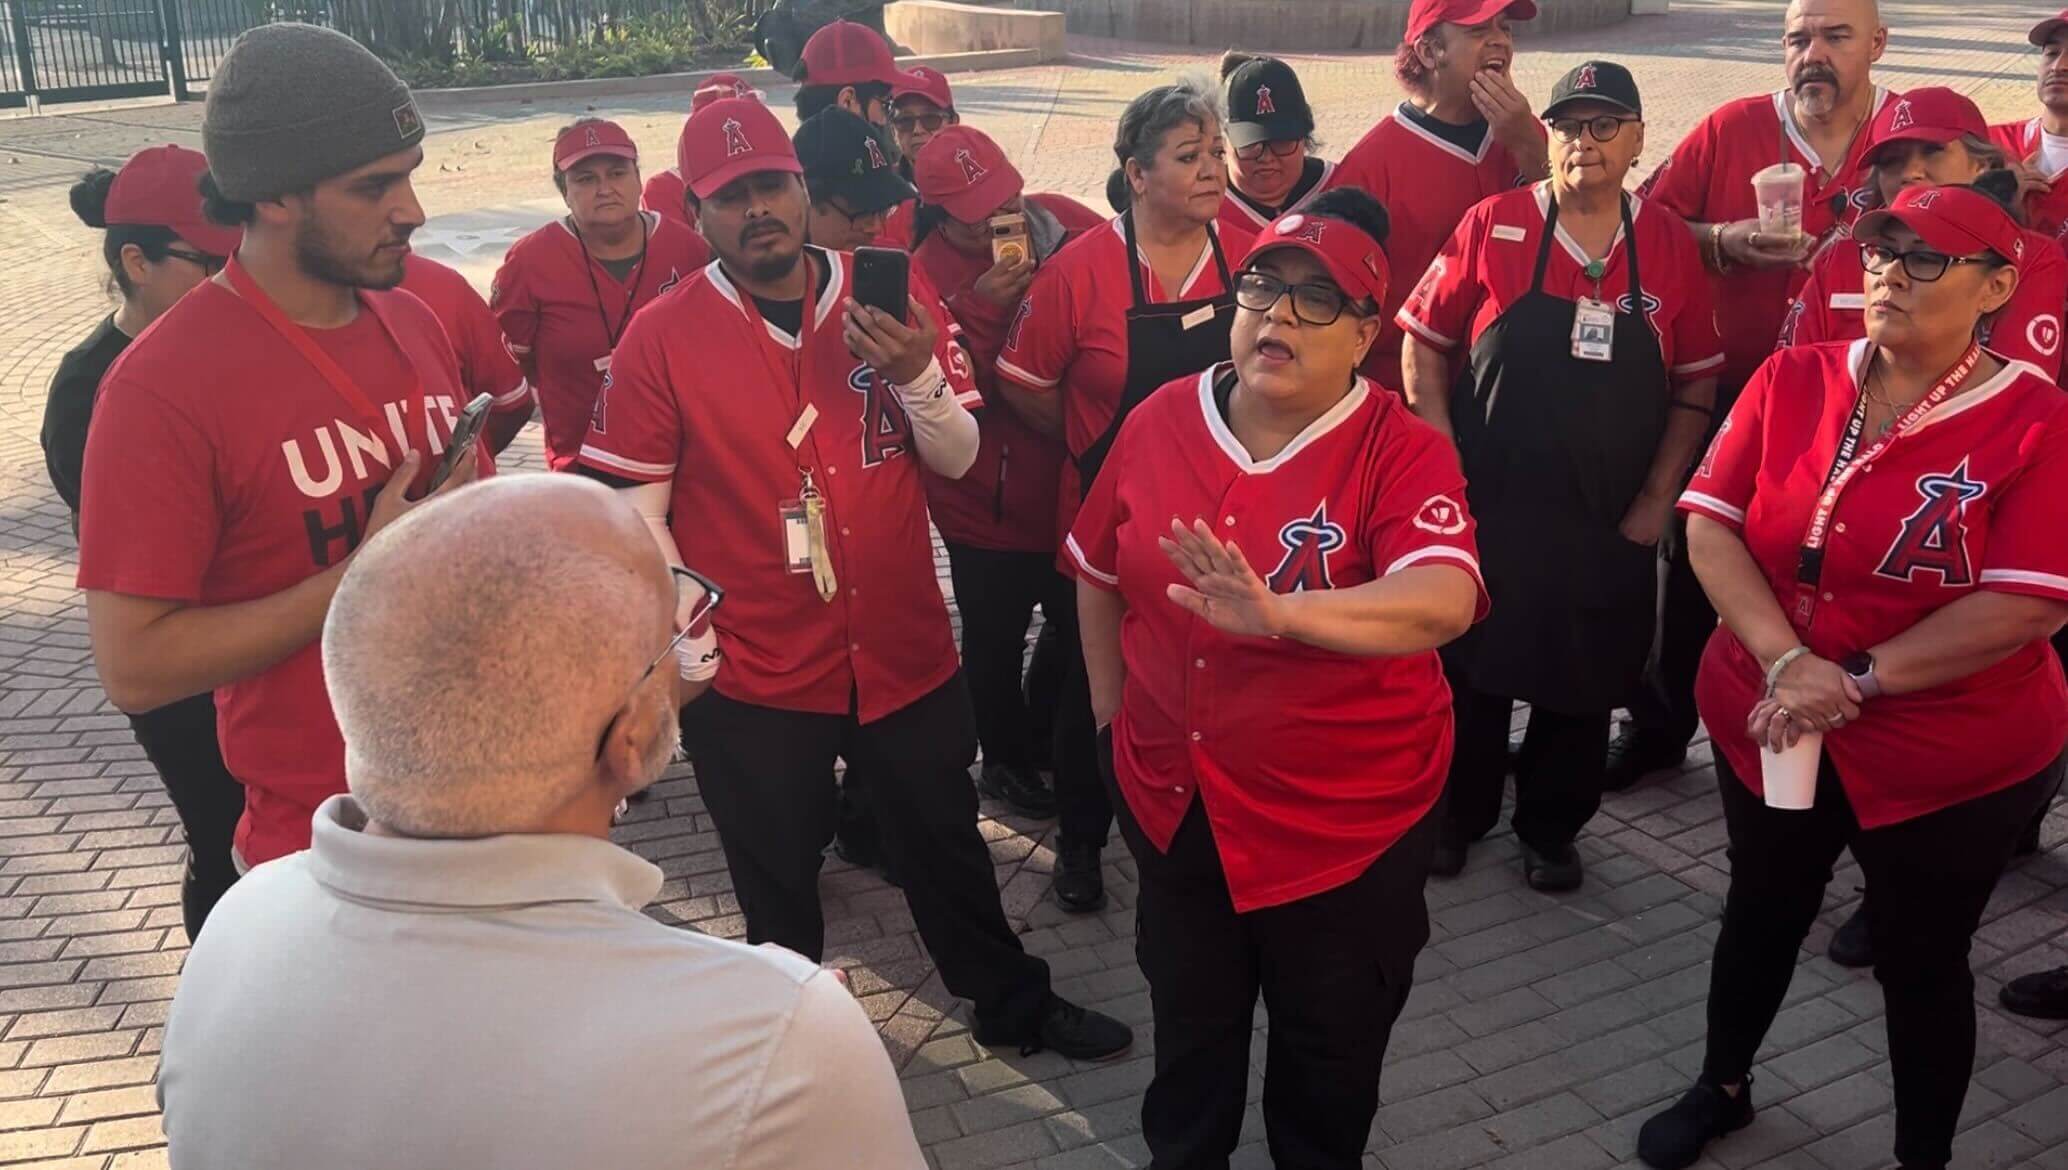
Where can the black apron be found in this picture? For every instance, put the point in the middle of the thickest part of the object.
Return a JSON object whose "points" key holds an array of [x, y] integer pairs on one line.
{"points": [[1159, 347], [1555, 448]]}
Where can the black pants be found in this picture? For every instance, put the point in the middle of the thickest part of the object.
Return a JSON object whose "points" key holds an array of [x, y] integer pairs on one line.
{"points": [[179, 739], [1928, 881], [1663, 709], [767, 777], [1083, 810], [996, 593], [1557, 778], [1334, 969]]}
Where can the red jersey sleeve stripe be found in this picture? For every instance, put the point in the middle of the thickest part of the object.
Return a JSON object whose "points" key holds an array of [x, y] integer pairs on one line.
{"points": [[1407, 322], [1109, 580], [2026, 581], [1713, 508], [1026, 379], [603, 460], [520, 393]]}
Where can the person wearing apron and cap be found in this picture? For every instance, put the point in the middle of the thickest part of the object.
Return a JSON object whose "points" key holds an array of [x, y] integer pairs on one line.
{"points": [[1089, 344], [1590, 354]]}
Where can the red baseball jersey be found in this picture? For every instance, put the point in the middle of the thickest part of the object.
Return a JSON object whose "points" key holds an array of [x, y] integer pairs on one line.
{"points": [[1488, 263], [560, 308], [1007, 499], [705, 394], [1708, 179], [897, 226], [2046, 211], [1239, 216], [212, 498], [486, 366], [663, 195], [1833, 305], [1967, 498], [1311, 763], [1427, 185], [1070, 335]]}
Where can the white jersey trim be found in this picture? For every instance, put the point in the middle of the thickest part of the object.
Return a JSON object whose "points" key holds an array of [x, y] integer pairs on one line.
{"points": [[1713, 507], [1486, 141], [1083, 562], [1199, 266], [1436, 552], [822, 309], [1780, 96], [1328, 170], [1572, 246], [1334, 417], [2049, 581], [1409, 322], [1861, 352], [519, 393], [1712, 363], [631, 467], [1026, 379]]}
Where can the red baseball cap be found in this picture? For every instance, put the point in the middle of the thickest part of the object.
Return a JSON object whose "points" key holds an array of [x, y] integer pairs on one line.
{"points": [[1933, 114], [160, 187], [965, 174], [587, 139], [1427, 14], [927, 82], [1354, 260], [717, 87], [846, 53], [729, 138], [2044, 31], [1958, 221]]}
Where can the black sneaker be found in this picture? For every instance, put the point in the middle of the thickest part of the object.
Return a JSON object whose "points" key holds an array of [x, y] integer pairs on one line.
{"points": [[1080, 886], [1674, 1139], [1448, 860], [1076, 1032], [1554, 869], [1633, 755], [1022, 788], [1851, 946], [2042, 995]]}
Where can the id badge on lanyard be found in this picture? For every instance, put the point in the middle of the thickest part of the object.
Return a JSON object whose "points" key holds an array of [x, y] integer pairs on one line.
{"points": [[1850, 460], [1594, 331], [802, 520]]}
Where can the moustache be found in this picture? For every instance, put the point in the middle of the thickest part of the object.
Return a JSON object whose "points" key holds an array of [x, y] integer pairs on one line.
{"points": [[1815, 75], [755, 231]]}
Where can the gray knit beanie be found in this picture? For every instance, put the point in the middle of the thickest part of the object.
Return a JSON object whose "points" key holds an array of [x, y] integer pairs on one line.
{"points": [[293, 104]]}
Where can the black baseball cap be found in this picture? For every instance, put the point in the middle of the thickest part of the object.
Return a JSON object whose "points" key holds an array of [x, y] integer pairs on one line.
{"points": [[1596, 81], [1266, 104], [842, 155]]}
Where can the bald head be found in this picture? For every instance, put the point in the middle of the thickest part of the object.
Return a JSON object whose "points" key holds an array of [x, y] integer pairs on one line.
{"points": [[1830, 47], [477, 650]]}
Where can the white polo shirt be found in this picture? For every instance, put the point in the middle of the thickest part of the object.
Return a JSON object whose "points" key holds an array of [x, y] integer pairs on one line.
{"points": [[383, 1001]]}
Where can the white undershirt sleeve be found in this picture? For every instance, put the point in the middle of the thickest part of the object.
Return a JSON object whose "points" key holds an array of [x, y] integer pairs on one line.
{"points": [[829, 1096], [697, 657], [944, 432]]}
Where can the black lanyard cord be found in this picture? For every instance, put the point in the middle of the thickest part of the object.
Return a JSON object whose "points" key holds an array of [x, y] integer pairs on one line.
{"points": [[596, 290]]}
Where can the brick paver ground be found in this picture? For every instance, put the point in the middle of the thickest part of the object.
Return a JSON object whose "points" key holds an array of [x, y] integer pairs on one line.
{"points": [[1542, 1029]]}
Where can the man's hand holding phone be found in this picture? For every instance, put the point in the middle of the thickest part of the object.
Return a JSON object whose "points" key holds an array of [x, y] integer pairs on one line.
{"points": [[898, 353]]}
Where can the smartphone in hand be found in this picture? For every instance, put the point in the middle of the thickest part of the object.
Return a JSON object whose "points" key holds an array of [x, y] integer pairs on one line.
{"points": [[883, 280], [1009, 238], [461, 444]]}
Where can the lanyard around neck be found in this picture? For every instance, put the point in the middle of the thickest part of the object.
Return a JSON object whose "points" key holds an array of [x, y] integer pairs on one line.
{"points": [[345, 386], [610, 332]]}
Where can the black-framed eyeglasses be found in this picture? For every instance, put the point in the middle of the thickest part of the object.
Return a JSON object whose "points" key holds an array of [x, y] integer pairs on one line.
{"points": [[1919, 264], [1315, 304], [931, 123], [859, 220], [1279, 148], [207, 263], [1601, 129], [696, 598]]}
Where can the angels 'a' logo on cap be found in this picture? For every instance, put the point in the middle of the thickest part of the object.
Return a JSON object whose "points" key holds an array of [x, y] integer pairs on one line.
{"points": [[742, 89], [1311, 230], [1264, 103], [1371, 265], [1902, 119], [589, 138], [408, 123], [972, 170], [1925, 199], [876, 162], [1586, 78], [736, 143]]}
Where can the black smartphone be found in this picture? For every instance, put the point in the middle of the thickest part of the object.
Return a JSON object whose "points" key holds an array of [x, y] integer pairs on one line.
{"points": [[464, 432], [883, 280]]}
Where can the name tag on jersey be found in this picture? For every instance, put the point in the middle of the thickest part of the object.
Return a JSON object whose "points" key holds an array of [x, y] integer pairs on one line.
{"points": [[1857, 302], [602, 364], [1594, 331], [803, 426], [1197, 317], [1510, 233]]}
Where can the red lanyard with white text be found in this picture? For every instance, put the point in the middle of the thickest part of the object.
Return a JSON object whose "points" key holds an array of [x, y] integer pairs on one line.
{"points": [[803, 523], [341, 382], [1809, 565]]}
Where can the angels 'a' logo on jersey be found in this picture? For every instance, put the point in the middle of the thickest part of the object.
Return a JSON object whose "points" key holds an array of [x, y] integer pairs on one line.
{"points": [[1860, 198], [972, 170], [1307, 541], [1934, 538], [1708, 467], [1264, 103], [736, 143], [1019, 325], [1652, 305], [599, 414], [886, 432], [674, 278]]}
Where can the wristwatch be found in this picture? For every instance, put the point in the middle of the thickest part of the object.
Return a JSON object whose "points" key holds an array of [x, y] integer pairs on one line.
{"points": [[1860, 665]]}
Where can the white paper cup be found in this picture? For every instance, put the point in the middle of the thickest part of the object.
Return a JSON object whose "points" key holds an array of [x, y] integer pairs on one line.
{"points": [[1790, 777], [1779, 191]]}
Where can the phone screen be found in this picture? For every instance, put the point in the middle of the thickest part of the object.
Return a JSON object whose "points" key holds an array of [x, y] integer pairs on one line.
{"points": [[464, 432], [882, 280]]}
